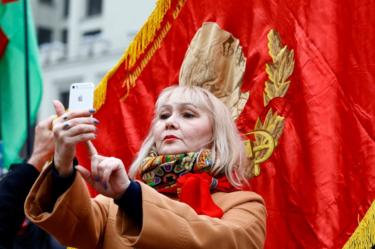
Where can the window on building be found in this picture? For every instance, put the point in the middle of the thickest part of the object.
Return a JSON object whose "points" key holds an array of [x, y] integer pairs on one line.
{"points": [[92, 33], [94, 7], [44, 35], [64, 36], [49, 2], [66, 8]]}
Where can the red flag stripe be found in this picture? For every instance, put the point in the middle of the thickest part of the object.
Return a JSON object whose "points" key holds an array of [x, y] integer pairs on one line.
{"points": [[8, 1], [3, 42]]}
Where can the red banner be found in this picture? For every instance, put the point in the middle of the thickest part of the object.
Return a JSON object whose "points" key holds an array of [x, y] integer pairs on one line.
{"points": [[8, 1], [3, 42], [320, 179]]}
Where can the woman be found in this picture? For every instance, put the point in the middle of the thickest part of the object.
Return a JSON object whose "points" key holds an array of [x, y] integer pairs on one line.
{"points": [[183, 191]]}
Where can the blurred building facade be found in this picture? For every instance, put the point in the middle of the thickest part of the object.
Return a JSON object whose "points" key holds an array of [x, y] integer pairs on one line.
{"points": [[80, 40]]}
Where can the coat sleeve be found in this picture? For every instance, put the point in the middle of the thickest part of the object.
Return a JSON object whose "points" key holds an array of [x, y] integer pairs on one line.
{"points": [[13, 191], [168, 223], [75, 220]]}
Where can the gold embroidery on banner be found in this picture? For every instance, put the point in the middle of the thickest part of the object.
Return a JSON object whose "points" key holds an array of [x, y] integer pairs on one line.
{"points": [[215, 61], [268, 133], [266, 136], [258, 151], [147, 33], [279, 70], [146, 36], [132, 77], [273, 123], [180, 4]]}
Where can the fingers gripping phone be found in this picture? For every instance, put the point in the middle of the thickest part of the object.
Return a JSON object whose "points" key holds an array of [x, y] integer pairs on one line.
{"points": [[81, 96]]}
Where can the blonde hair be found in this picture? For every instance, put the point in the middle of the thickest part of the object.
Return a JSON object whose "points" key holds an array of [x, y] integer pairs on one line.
{"points": [[226, 146]]}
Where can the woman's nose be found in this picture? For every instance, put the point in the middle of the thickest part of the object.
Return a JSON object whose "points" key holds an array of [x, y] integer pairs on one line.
{"points": [[171, 123]]}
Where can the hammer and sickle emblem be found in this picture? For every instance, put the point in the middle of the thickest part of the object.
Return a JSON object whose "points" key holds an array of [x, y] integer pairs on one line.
{"points": [[259, 150]]}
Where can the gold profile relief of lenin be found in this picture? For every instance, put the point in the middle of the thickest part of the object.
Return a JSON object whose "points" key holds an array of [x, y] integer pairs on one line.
{"points": [[215, 61]]}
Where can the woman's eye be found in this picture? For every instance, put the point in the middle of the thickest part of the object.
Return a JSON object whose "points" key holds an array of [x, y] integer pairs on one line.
{"points": [[164, 115], [188, 115]]}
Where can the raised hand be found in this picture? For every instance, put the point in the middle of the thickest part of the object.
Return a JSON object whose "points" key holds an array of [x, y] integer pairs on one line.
{"points": [[43, 142], [68, 130], [108, 175]]}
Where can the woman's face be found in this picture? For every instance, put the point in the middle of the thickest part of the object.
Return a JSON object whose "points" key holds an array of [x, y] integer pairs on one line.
{"points": [[181, 127]]}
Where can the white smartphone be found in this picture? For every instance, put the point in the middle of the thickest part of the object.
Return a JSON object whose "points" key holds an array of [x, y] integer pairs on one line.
{"points": [[81, 96]]}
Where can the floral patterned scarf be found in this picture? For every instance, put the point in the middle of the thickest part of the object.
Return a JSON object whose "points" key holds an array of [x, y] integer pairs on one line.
{"points": [[187, 175]]}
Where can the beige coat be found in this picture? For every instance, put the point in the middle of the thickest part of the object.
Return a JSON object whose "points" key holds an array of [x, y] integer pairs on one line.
{"points": [[78, 221]]}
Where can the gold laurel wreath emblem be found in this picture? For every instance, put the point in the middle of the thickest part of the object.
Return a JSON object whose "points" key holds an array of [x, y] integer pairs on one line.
{"points": [[266, 134]]}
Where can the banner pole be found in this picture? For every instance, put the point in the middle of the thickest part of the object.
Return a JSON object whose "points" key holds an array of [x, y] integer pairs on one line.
{"points": [[27, 81]]}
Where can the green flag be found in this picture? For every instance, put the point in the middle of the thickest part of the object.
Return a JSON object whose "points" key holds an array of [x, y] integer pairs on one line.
{"points": [[13, 120]]}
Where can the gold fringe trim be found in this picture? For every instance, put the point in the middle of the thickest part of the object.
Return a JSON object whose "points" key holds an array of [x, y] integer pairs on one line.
{"points": [[364, 235], [147, 33], [137, 47], [132, 77], [101, 91]]}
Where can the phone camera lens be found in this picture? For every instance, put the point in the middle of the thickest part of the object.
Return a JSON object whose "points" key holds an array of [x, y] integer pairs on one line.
{"points": [[73, 87]]}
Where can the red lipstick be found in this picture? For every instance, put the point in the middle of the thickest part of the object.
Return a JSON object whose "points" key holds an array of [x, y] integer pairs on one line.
{"points": [[170, 138]]}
